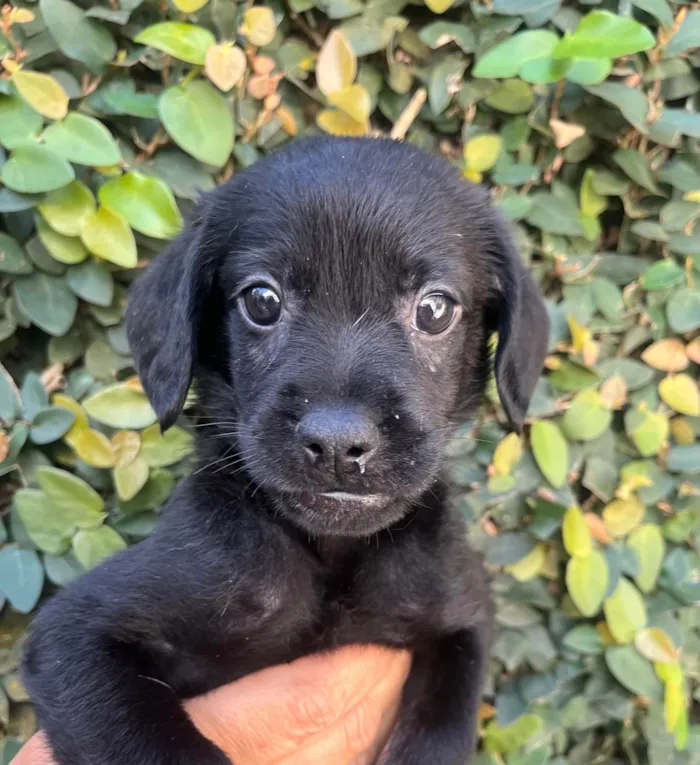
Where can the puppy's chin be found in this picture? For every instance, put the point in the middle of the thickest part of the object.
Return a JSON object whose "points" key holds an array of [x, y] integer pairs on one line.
{"points": [[338, 513]]}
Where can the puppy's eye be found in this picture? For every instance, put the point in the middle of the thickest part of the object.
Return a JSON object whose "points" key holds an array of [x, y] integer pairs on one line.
{"points": [[262, 305], [434, 313]]}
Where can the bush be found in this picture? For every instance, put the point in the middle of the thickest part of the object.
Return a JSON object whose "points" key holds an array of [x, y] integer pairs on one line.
{"points": [[580, 115]]}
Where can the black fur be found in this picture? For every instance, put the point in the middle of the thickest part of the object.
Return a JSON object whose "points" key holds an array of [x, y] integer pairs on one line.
{"points": [[252, 565]]}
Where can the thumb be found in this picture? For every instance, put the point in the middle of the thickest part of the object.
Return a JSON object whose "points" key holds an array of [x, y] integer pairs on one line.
{"points": [[336, 703]]}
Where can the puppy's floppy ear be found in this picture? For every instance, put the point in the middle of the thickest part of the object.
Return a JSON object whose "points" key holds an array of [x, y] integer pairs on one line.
{"points": [[163, 319], [523, 330]]}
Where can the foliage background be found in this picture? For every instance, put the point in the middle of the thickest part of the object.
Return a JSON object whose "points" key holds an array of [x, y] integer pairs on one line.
{"points": [[583, 122]]}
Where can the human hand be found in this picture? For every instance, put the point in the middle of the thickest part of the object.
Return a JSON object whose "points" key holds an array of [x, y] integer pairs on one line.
{"points": [[328, 709]]}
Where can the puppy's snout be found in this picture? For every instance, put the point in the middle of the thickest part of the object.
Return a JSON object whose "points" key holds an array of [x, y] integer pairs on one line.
{"points": [[338, 440]]}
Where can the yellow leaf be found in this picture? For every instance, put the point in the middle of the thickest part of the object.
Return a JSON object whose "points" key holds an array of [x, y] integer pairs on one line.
{"points": [[43, 93], [692, 196], [580, 335], [259, 27], [590, 201], [587, 581], [576, 534], [681, 393], [482, 152], [130, 479], [81, 419], [21, 16], [507, 454], [439, 6], [654, 644], [109, 236], [126, 445], [189, 6], [622, 515], [340, 123], [225, 65], [336, 66], [530, 566], [354, 101], [682, 431], [613, 392], [94, 448], [473, 175], [625, 611], [674, 704], [668, 355], [648, 542], [651, 434]]}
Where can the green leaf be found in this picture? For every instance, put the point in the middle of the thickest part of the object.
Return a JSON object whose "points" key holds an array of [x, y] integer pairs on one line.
{"points": [[12, 258], [187, 42], [79, 503], [164, 449], [650, 433], [50, 424], [109, 236], [648, 541], [589, 71], [92, 282], [199, 120], [511, 737], [686, 37], [586, 419], [146, 203], [21, 578], [636, 166], [47, 301], [65, 249], [83, 140], [601, 34], [683, 310], [657, 8], [9, 399], [555, 215], [625, 612], [587, 581], [78, 36], [584, 639], [507, 58], [158, 488], [46, 527], [633, 671], [67, 209], [551, 451], [662, 275], [32, 169], [19, 123], [120, 406], [631, 102], [93, 546], [511, 97]]}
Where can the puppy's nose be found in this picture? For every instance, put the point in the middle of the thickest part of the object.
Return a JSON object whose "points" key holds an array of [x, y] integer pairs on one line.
{"points": [[340, 440]]}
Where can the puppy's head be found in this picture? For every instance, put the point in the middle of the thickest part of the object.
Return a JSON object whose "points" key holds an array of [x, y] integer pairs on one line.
{"points": [[335, 302]]}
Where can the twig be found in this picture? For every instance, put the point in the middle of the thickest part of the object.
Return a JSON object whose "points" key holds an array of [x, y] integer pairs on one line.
{"points": [[409, 114]]}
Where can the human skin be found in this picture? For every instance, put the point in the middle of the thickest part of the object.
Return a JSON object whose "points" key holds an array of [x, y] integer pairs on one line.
{"points": [[327, 709]]}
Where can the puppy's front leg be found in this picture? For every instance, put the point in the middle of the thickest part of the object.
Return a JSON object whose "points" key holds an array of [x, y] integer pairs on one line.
{"points": [[440, 707], [89, 670]]}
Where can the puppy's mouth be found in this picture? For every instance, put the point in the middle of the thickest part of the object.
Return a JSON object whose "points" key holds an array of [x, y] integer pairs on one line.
{"points": [[351, 497]]}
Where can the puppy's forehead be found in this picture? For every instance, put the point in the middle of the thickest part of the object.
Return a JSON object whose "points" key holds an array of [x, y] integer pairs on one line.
{"points": [[357, 224]]}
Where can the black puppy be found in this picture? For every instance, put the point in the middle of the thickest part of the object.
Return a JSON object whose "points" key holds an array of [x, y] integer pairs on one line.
{"points": [[334, 303]]}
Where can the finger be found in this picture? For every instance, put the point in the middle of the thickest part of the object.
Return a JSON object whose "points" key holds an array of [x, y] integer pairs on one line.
{"points": [[264, 718], [35, 752]]}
